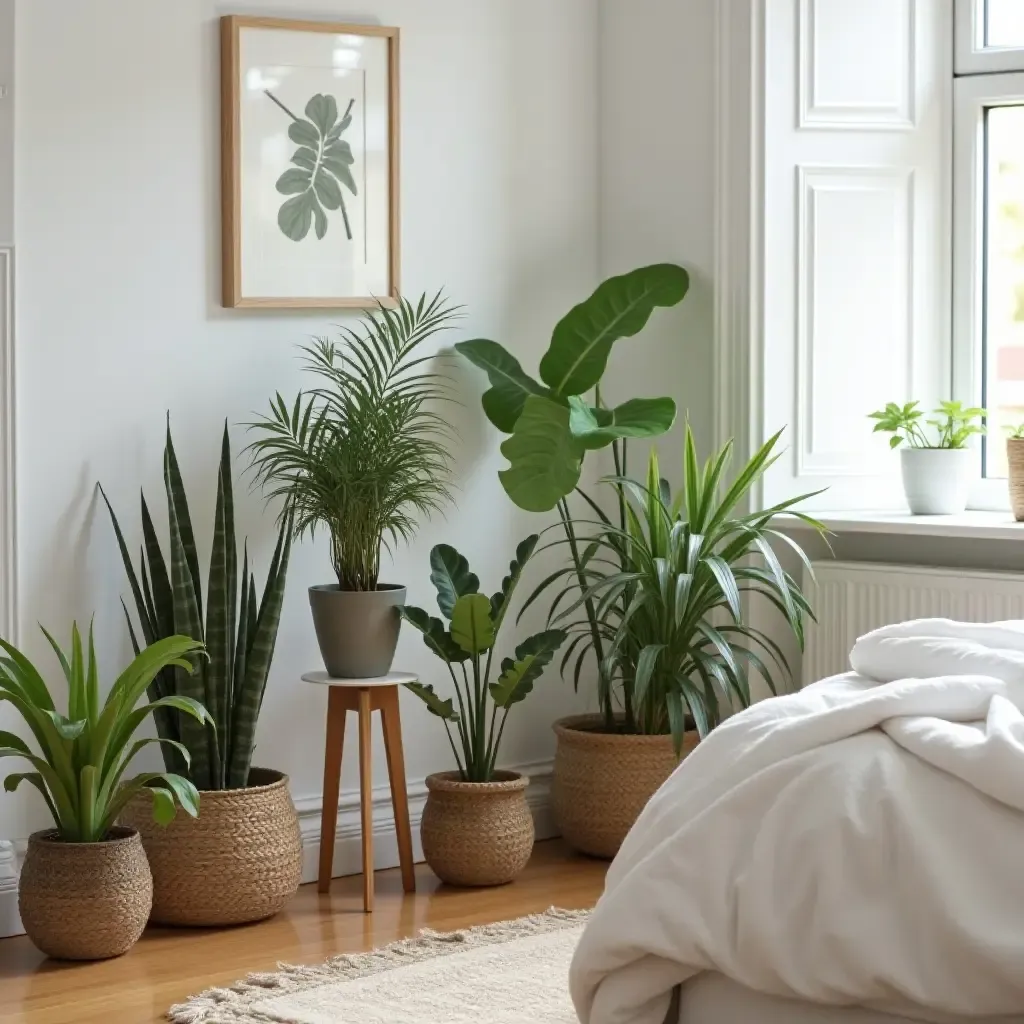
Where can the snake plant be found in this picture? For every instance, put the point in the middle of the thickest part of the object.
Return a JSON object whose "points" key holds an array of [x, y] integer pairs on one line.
{"points": [[83, 755], [469, 640], [239, 630]]}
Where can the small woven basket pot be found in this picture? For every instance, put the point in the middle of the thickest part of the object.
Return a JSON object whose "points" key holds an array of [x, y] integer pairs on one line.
{"points": [[602, 781], [477, 833], [85, 901], [239, 861], [1015, 461]]}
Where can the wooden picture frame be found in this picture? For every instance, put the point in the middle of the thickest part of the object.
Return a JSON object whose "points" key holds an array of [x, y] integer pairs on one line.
{"points": [[261, 268]]}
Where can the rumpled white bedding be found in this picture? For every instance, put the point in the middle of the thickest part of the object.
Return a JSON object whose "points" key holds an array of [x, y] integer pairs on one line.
{"points": [[860, 842]]}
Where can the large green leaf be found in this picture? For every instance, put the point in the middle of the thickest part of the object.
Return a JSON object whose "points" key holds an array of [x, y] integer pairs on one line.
{"points": [[435, 635], [472, 628], [449, 572], [510, 385], [500, 601], [546, 460], [519, 674], [639, 417], [442, 708], [323, 163], [619, 308]]}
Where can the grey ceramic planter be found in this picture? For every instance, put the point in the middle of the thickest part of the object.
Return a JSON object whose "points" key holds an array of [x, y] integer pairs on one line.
{"points": [[357, 629]]}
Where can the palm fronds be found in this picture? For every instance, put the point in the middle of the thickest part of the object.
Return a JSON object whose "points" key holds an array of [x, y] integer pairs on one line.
{"points": [[365, 453]]}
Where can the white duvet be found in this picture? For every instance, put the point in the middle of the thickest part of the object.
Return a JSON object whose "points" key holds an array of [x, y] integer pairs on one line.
{"points": [[860, 842]]}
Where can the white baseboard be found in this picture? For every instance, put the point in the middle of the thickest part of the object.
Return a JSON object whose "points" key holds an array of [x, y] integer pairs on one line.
{"points": [[348, 855]]}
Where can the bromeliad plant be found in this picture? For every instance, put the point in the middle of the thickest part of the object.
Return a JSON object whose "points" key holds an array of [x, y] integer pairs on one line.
{"points": [[668, 583], [466, 646], [953, 425], [239, 630], [84, 755], [365, 454]]}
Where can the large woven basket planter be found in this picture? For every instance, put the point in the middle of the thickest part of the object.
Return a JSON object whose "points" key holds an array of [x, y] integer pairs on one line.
{"points": [[239, 861], [477, 833], [85, 901], [602, 781], [1015, 462]]}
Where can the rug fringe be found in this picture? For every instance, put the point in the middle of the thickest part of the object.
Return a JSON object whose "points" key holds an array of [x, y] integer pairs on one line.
{"points": [[234, 1004]]}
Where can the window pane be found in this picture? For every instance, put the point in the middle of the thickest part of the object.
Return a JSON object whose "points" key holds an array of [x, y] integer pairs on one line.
{"points": [[1004, 23], [1004, 280]]}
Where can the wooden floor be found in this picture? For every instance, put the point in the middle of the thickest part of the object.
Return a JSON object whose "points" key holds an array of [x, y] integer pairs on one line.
{"points": [[169, 965]]}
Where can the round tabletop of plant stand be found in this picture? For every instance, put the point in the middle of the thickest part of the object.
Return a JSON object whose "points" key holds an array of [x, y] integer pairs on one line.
{"points": [[391, 679]]}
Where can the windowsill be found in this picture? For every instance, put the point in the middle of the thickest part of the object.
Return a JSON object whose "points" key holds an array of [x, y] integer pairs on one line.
{"points": [[979, 525]]}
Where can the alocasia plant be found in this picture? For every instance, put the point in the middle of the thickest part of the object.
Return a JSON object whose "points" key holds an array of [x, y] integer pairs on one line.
{"points": [[323, 163]]}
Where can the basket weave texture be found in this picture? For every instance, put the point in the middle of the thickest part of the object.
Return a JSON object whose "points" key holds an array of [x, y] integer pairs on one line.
{"points": [[477, 833], [85, 901], [239, 861], [1015, 460], [602, 781]]}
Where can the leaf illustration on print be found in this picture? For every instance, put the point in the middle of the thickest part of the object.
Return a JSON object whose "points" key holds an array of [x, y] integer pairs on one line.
{"points": [[323, 163]]}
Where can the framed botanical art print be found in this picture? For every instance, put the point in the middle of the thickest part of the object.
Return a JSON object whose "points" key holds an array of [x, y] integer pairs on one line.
{"points": [[309, 134]]}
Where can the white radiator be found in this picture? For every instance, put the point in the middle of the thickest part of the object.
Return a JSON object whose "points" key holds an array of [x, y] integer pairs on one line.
{"points": [[852, 598]]}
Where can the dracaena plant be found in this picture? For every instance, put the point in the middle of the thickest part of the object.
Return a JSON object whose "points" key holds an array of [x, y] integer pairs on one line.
{"points": [[364, 455], [239, 628], [952, 425], [668, 584], [465, 641], [84, 755]]}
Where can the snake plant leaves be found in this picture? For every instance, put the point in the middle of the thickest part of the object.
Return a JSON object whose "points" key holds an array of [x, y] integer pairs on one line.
{"points": [[510, 386], [619, 308], [639, 417], [518, 674], [435, 636], [442, 708], [323, 164], [472, 628], [501, 600], [449, 572], [545, 459]]}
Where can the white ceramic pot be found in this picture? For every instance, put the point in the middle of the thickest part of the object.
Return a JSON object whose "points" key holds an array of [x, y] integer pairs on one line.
{"points": [[936, 481]]}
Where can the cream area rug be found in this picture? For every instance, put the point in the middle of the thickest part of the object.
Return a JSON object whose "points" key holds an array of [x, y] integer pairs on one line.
{"points": [[513, 972]]}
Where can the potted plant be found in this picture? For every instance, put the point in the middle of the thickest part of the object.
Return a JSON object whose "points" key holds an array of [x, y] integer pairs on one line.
{"points": [[1015, 469], [363, 455], [937, 468], [85, 888], [677, 648], [477, 828], [215, 870]]}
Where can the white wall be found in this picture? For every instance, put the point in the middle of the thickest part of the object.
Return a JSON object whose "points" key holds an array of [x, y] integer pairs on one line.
{"points": [[658, 197], [118, 316]]}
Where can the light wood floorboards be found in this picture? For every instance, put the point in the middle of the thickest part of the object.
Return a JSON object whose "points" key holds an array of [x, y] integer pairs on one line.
{"points": [[168, 965]]}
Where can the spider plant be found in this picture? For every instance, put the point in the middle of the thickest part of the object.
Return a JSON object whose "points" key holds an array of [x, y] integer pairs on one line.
{"points": [[84, 754], [365, 453], [668, 586], [466, 646]]}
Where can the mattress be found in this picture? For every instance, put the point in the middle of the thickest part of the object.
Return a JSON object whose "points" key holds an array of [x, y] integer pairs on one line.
{"points": [[714, 999]]}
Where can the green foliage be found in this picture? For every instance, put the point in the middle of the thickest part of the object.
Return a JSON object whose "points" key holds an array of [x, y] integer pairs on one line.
{"points": [[323, 164], [666, 588], [239, 631], [365, 454], [551, 427], [467, 649], [1015, 433], [83, 755], [954, 425]]}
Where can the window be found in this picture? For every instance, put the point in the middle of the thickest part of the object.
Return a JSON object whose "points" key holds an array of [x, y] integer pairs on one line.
{"points": [[988, 229]]}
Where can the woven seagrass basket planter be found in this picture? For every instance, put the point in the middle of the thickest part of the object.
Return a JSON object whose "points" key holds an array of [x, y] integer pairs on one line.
{"points": [[477, 833], [1015, 462], [85, 901], [239, 861], [602, 781]]}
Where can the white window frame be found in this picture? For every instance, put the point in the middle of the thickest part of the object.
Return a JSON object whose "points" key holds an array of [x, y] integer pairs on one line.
{"points": [[986, 77]]}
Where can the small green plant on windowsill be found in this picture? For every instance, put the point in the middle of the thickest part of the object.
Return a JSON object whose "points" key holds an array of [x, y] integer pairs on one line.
{"points": [[1015, 432], [953, 424]]}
